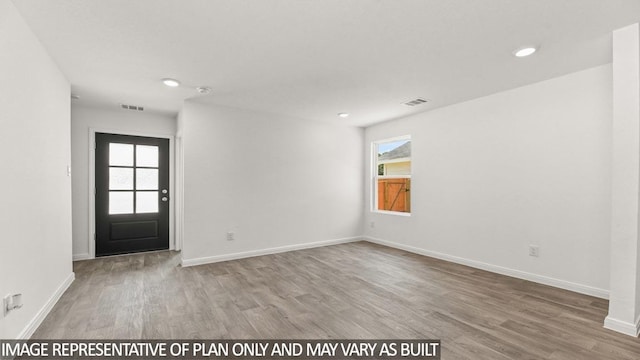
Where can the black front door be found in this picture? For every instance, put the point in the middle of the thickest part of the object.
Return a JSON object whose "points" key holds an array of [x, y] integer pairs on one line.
{"points": [[132, 194]]}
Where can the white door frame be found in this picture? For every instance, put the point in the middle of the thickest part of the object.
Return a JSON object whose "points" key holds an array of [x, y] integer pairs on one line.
{"points": [[175, 237]]}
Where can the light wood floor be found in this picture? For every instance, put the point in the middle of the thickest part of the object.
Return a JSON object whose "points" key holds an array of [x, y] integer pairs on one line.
{"points": [[357, 291]]}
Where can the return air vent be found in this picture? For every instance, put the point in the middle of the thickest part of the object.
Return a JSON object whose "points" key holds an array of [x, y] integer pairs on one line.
{"points": [[132, 107], [415, 102]]}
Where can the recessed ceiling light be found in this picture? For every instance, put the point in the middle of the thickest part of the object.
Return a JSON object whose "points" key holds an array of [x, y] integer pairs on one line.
{"points": [[343, 115], [171, 82], [525, 51]]}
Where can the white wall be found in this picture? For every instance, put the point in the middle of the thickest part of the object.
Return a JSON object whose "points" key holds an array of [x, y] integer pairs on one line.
{"points": [[493, 175], [114, 120], [35, 211], [273, 181]]}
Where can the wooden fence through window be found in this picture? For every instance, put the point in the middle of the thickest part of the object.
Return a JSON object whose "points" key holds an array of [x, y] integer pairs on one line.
{"points": [[394, 194]]}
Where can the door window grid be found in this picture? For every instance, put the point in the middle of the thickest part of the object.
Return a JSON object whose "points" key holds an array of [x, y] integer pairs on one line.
{"points": [[133, 179]]}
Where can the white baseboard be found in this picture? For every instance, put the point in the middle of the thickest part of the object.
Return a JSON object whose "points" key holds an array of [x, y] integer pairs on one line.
{"points": [[562, 284], [78, 257], [268, 251], [623, 326], [44, 311]]}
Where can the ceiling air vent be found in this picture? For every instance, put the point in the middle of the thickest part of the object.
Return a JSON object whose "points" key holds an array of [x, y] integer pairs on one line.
{"points": [[132, 107], [415, 102]]}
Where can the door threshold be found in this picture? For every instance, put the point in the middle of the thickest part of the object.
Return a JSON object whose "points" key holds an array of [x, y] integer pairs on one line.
{"points": [[129, 254]]}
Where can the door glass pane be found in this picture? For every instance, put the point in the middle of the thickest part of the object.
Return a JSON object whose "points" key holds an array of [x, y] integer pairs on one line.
{"points": [[146, 202], [120, 154], [146, 179], [120, 202], [147, 155], [120, 178]]}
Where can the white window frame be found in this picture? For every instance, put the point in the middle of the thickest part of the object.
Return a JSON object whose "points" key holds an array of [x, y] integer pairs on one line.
{"points": [[375, 176]]}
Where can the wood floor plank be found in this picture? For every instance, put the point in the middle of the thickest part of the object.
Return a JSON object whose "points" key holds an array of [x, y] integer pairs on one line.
{"points": [[350, 291]]}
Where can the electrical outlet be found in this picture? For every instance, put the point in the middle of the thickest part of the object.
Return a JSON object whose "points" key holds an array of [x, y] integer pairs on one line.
{"points": [[534, 251], [231, 236], [372, 224], [11, 302]]}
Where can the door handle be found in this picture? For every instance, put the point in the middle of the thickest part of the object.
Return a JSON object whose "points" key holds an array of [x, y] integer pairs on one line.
{"points": [[165, 199]]}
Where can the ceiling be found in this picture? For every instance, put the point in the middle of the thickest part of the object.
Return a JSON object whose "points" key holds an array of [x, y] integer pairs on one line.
{"points": [[312, 59]]}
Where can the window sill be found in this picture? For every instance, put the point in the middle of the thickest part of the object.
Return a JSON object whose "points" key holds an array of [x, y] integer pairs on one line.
{"points": [[396, 213]]}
